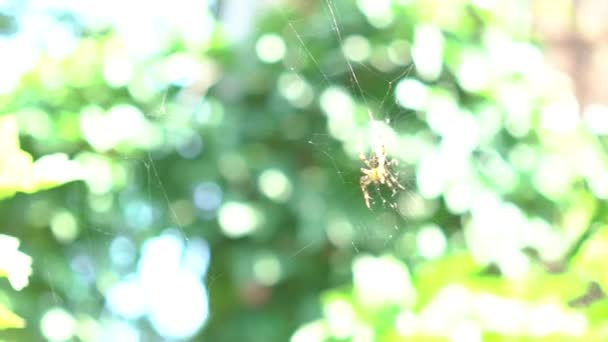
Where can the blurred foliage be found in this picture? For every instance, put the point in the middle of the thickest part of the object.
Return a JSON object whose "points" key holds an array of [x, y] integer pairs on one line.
{"points": [[17, 267], [19, 173], [499, 235]]}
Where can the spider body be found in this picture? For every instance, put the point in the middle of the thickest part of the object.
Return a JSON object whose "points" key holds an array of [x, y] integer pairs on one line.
{"points": [[378, 172]]}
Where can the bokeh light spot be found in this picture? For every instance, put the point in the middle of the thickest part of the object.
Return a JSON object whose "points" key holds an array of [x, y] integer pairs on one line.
{"points": [[356, 48], [190, 145], [431, 241], [139, 214], [57, 325], [64, 226], [412, 94], [378, 12], [381, 281], [427, 51], [126, 298], [239, 219], [174, 294], [340, 109], [122, 251], [297, 91], [275, 185], [207, 196], [270, 48], [267, 269], [120, 331]]}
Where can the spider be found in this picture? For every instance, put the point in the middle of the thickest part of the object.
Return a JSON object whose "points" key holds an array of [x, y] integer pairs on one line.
{"points": [[378, 171]]}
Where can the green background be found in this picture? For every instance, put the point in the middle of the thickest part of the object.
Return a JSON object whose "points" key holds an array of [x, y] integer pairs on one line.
{"points": [[499, 235]]}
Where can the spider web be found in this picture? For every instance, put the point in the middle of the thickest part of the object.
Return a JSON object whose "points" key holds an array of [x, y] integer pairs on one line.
{"points": [[373, 229], [384, 221]]}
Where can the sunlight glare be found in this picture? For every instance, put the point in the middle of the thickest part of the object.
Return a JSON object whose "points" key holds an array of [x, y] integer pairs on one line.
{"points": [[560, 117], [175, 295], [547, 319], [19, 56], [341, 318], [427, 51], [127, 298], [467, 331], [378, 12], [311, 332], [497, 229], [122, 331], [57, 325], [431, 176], [553, 176], [431, 241], [122, 122], [459, 196], [443, 113], [382, 281], [270, 48], [596, 118], [118, 68], [340, 110], [412, 94], [239, 219], [474, 71]]}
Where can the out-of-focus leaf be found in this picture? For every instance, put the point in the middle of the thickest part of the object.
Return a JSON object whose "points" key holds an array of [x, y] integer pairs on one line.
{"points": [[539, 286], [381, 282], [9, 320], [591, 259], [14, 264], [53, 170], [15, 164], [597, 312], [432, 276], [18, 171]]}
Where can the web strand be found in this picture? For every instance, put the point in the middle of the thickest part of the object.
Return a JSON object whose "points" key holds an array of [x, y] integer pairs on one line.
{"points": [[308, 52], [166, 196], [375, 111], [348, 63]]}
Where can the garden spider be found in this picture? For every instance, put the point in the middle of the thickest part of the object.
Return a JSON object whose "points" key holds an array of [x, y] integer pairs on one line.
{"points": [[378, 172]]}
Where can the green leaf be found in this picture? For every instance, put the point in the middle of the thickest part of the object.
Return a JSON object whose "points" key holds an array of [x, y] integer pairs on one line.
{"points": [[9, 320], [18, 171], [14, 264], [432, 276]]}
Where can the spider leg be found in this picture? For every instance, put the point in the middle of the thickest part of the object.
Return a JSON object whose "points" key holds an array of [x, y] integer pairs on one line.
{"points": [[393, 183], [392, 179], [364, 183], [365, 160], [384, 201]]}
